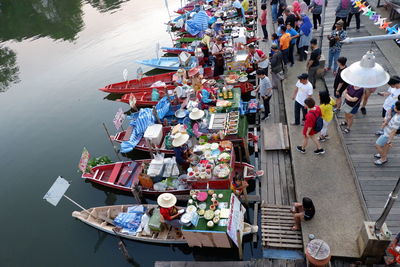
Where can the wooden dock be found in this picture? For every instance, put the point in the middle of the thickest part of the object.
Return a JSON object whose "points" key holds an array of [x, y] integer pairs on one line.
{"points": [[374, 182]]}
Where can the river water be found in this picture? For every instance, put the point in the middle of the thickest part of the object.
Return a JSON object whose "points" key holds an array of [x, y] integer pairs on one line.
{"points": [[54, 54]]}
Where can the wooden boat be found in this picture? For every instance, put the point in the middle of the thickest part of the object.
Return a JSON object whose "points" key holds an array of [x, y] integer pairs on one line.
{"points": [[144, 85], [167, 63], [143, 98], [125, 176], [177, 50], [102, 218]]}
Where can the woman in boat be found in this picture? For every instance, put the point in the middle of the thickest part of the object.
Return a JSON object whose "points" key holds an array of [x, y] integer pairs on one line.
{"points": [[218, 27], [195, 116], [180, 76], [195, 76], [168, 211], [207, 96], [218, 53], [206, 45], [238, 185], [302, 211], [181, 151]]}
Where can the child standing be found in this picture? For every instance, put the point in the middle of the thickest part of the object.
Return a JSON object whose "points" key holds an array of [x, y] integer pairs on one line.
{"points": [[326, 105], [263, 21]]}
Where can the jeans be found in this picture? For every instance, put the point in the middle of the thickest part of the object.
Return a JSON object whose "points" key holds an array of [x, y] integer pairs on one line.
{"points": [[290, 53], [265, 32], [285, 55], [266, 100], [274, 12], [333, 56], [297, 108], [357, 19], [312, 75], [316, 20]]}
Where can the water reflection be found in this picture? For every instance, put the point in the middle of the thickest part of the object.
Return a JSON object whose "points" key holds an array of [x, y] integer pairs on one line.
{"points": [[106, 5], [8, 68]]}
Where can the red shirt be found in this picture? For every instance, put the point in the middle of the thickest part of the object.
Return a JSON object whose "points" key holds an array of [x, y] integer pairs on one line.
{"points": [[263, 18], [167, 212], [311, 119]]}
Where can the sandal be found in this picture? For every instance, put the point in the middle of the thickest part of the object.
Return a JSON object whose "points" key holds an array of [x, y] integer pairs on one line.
{"points": [[343, 123], [346, 130], [379, 162]]}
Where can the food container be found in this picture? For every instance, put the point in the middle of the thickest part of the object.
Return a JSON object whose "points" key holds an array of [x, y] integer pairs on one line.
{"points": [[201, 212], [191, 209], [215, 202], [190, 201], [220, 196], [208, 214], [202, 206], [217, 212], [213, 207], [213, 199], [186, 219], [202, 196], [214, 196], [210, 192], [216, 220], [210, 224]]}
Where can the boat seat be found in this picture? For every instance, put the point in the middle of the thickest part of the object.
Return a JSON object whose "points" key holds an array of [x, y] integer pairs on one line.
{"points": [[95, 174], [127, 173], [115, 172]]}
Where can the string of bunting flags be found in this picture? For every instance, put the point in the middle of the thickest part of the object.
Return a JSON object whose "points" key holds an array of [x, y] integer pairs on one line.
{"points": [[382, 23]]}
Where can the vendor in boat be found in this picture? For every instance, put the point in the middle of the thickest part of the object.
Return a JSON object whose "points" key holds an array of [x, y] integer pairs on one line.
{"points": [[180, 76], [181, 150], [257, 58], [205, 45], [196, 77], [195, 116], [218, 53], [207, 96], [238, 185], [218, 27], [169, 212]]}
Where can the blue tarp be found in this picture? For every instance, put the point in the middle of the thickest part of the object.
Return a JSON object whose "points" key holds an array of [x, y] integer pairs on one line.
{"points": [[143, 119], [130, 221], [198, 24]]}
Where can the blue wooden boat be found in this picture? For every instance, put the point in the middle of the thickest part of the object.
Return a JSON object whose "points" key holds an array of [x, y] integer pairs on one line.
{"points": [[167, 63]]}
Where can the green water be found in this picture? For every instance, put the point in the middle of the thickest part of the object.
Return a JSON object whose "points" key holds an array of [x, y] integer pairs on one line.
{"points": [[54, 54]]}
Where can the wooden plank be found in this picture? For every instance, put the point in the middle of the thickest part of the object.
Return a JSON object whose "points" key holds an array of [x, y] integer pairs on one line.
{"points": [[277, 178], [279, 240], [282, 227], [274, 137], [271, 244], [291, 232], [270, 235]]}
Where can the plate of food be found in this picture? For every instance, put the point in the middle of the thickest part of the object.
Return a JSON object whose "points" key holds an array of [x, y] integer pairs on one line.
{"points": [[222, 170], [191, 208], [209, 214], [224, 157]]}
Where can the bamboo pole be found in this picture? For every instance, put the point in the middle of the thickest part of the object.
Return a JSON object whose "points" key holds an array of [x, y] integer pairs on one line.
{"points": [[109, 138]]}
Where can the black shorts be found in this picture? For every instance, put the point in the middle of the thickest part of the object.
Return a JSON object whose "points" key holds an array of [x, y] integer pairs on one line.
{"points": [[341, 90]]}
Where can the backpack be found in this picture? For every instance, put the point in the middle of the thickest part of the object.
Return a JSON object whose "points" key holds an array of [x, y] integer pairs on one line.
{"points": [[319, 123]]}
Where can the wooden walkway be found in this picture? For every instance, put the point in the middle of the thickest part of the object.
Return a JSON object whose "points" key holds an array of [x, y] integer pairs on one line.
{"points": [[375, 182], [252, 263]]}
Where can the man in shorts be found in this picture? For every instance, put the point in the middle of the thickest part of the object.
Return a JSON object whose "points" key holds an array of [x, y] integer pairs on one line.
{"points": [[384, 142]]}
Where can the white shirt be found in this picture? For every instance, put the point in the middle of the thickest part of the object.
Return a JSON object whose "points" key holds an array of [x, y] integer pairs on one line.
{"points": [[394, 124], [265, 84], [263, 64], [391, 99], [304, 91], [216, 48]]}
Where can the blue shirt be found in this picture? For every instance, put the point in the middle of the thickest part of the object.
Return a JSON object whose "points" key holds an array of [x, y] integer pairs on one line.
{"points": [[179, 154], [205, 96], [292, 32]]}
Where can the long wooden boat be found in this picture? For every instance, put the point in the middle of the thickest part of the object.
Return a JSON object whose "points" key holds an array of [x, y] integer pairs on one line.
{"points": [[167, 63], [102, 218], [144, 84], [177, 50], [124, 176]]}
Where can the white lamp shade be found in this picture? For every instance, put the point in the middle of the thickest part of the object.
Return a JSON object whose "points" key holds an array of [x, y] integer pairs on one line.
{"points": [[365, 73]]}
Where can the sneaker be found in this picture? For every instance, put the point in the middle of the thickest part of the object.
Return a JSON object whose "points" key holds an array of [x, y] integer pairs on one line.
{"points": [[379, 132], [343, 123], [364, 111], [301, 149], [322, 139], [327, 137], [346, 130], [377, 156], [265, 117], [319, 151], [379, 162]]}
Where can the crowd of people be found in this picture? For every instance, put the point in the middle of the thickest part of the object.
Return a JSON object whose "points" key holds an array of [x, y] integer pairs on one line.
{"points": [[294, 29]]}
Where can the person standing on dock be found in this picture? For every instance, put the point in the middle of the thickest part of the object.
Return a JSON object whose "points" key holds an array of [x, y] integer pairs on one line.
{"points": [[265, 91], [305, 37], [276, 66], [284, 42], [342, 11], [326, 104], [384, 142], [335, 45], [304, 90], [258, 58], [339, 85], [313, 62], [263, 21], [354, 11], [274, 10], [310, 129], [293, 35], [316, 10], [353, 96]]}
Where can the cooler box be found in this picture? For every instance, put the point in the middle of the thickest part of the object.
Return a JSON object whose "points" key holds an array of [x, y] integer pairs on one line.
{"points": [[154, 133]]}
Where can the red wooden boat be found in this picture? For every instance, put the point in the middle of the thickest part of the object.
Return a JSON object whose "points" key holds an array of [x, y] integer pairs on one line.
{"points": [[144, 85], [143, 99], [125, 176]]}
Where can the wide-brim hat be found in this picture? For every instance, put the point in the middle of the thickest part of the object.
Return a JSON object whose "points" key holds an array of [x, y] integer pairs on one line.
{"points": [[207, 7], [166, 200], [180, 139], [181, 70], [218, 14], [204, 81], [196, 114], [219, 21], [208, 32], [193, 71]]}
